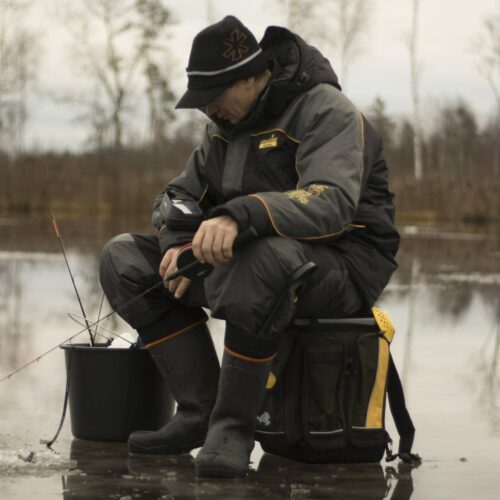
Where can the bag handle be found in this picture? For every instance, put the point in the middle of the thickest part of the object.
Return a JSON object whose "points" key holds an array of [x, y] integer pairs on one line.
{"points": [[402, 419]]}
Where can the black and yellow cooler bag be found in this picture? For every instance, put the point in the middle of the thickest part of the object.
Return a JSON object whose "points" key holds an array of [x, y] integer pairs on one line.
{"points": [[326, 395]]}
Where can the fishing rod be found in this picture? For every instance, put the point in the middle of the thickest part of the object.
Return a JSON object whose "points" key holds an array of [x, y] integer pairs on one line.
{"points": [[192, 268], [174, 275], [61, 244]]}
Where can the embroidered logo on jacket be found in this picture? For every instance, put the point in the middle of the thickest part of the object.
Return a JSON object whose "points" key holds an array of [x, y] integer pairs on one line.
{"points": [[303, 195], [270, 142], [235, 44]]}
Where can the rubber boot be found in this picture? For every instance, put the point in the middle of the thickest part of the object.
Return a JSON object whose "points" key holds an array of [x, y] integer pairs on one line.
{"points": [[189, 362], [230, 439]]}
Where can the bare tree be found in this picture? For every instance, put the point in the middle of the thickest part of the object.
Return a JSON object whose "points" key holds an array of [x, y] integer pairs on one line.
{"points": [[382, 122], [487, 48], [154, 17], [97, 28], [353, 18], [454, 144], [337, 25], [17, 72], [210, 12], [415, 93], [115, 41], [302, 17]]}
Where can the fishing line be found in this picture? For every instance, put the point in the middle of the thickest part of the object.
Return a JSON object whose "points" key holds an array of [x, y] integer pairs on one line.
{"points": [[99, 313], [186, 270], [171, 276], [77, 317]]}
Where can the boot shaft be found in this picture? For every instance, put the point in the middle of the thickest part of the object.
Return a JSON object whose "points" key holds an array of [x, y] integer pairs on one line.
{"points": [[189, 363], [230, 439], [241, 390]]}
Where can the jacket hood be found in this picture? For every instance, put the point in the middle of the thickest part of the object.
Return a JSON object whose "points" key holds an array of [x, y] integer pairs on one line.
{"points": [[296, 68]]}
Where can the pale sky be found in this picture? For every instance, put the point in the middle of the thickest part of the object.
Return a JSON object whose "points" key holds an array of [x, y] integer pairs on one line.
{"points": [[448, 67]]}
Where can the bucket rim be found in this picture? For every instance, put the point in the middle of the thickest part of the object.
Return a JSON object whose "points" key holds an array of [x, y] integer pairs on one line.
{"points": [[98, 348]]}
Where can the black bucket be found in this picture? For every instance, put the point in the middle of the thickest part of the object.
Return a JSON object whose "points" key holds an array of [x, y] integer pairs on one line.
{"points": [[113, 392]]}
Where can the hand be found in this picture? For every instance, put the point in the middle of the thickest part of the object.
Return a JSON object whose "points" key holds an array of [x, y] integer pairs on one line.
{"points": [[168, 266], [213, 242]]}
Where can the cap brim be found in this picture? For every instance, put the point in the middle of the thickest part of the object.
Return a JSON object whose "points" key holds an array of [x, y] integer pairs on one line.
{"points": [[199, 98]]}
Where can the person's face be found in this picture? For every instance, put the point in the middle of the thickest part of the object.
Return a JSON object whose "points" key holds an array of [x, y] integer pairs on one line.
{"points": [[235, 102]]}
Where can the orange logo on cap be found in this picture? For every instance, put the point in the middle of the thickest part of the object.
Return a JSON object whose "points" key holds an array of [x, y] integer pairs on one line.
{"points": [[235, 44]]}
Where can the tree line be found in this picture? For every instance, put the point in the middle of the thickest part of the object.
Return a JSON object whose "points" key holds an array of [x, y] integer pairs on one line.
{"points": [[460, 164], [460, 181], [444, 168]]}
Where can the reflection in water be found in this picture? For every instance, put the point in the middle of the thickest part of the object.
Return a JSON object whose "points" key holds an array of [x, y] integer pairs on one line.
{"points": [[11, 299], [451, 269], [412, 304], [486, 363], [444, 301], [108, 470]]}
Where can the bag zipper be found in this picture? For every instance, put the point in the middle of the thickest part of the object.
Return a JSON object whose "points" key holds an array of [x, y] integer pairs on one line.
{"points": [[348, 365]]}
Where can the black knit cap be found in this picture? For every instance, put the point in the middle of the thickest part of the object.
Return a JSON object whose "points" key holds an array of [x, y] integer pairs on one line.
{"points": [[221, 54]]}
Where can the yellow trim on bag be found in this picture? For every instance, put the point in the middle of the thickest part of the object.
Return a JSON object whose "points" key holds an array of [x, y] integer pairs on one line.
{"points": [[376, 405], [271, 381], [384, 323]]}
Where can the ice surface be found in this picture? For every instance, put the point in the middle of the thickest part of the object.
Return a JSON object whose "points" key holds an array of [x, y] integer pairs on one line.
{"points": [[28, 462]]}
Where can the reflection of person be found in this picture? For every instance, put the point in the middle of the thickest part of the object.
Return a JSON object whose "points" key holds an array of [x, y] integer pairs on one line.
{"points": [[290, 156], [288, 479]]}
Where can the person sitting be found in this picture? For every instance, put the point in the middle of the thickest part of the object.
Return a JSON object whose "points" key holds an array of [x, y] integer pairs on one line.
{"points": [[287, 155]]}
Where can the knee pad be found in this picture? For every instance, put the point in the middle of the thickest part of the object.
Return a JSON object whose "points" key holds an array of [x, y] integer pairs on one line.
{"points": [[244, 290], [125, 273]]}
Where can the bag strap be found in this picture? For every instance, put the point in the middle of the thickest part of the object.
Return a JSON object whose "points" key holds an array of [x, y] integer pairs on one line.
{"points": [[402, 419]]}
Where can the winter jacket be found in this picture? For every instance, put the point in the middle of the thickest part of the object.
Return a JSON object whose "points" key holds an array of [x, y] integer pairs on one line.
{"points": [[304, 164]]}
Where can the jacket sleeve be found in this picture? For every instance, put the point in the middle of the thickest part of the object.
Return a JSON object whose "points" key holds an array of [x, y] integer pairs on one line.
{"points": [[189, 185], [329, 163]]}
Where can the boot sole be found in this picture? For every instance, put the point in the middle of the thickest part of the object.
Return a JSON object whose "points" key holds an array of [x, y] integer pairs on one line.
{"points": [[161, 449], [218, 472]]}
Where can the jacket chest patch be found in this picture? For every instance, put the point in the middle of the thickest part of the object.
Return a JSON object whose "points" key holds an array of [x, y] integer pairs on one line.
{"points": [[270, 163], [269, 142]]}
